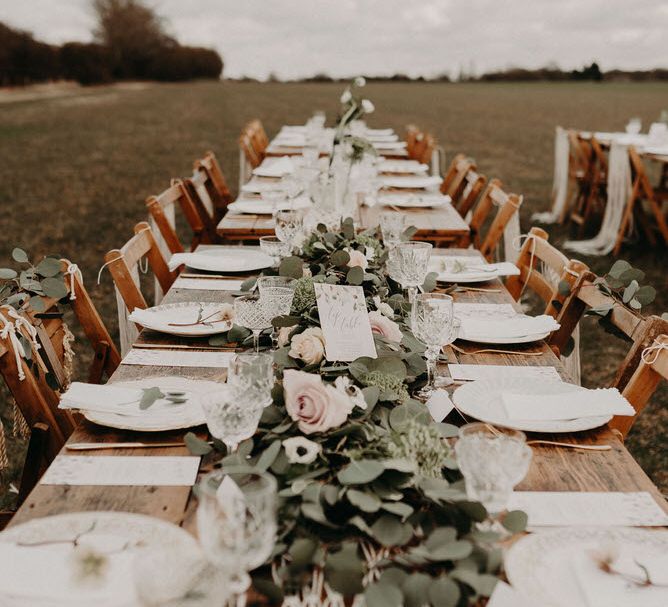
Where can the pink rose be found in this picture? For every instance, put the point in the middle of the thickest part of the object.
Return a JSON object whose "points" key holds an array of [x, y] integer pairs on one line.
{"points": [[357, 259], [381, 325], [314, 405]]}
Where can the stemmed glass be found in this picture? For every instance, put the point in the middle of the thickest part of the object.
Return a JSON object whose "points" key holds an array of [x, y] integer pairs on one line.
{"points": [[433, 324], [492, 460], [274, 247], [251, 313], [289, 225], [410, 261], [392, 226], [236, 522], [277, 293], [231, 415], [251, 374]]}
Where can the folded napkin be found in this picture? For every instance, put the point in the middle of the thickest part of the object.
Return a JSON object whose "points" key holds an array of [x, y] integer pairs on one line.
{"points": [[507, 328], [209, 262], [601, 589], [379, 132], [276, 168], [570, 405], [476, 270], [402, 166], [264, 207], [411, 181], [375, 138], [258, 187], [48, 573], [658, 150], [290, 140], [413, 201], [390, 145], [95, 397]]}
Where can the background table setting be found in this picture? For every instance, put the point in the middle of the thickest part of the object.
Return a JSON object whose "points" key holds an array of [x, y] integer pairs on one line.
{"points": [[341, 413]]}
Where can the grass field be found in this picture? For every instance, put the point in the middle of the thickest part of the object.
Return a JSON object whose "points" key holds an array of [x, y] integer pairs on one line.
{"points": [[76, 168]]}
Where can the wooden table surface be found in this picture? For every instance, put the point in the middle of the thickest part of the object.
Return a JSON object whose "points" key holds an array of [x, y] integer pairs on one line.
{"points": [[552, 468]]}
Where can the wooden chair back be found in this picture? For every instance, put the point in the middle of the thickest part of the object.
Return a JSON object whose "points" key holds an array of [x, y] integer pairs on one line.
{"points": [[162, 209], [467, 193], [424, 148], [643, 383], [249, 153], [544, 281], [640, 330], [123, 264], [412, 133], [455, 173], [506, 204], [591, 195]]}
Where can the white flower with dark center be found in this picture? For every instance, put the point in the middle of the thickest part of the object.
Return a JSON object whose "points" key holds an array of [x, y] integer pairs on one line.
{"points": [[347, 387], [301, 450], [360, 81], [384, 308], [367, 106], [346, 96]]}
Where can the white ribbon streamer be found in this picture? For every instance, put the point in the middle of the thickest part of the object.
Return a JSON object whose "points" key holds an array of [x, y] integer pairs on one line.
{"points": [[560, 179], [9, 330]]}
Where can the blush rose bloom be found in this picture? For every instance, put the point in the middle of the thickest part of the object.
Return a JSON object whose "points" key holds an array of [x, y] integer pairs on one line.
{"points": [[381, 325], [314, 405], [284, 336], [357, 259], [308, 346]]}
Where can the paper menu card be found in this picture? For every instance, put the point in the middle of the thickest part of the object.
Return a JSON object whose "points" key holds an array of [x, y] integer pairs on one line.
{"points": [[473, 372], [603, 589], [576, 508], [573, 405], [127, 470], [208, 284], [345, 322], [177, 358]]}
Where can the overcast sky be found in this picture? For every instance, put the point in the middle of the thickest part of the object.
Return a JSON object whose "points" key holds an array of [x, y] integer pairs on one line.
{"points": [[294, 38]]}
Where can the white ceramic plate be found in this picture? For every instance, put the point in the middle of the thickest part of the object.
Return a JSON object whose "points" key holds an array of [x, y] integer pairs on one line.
{"points": [[539, 565], [481, 399], [524, 339], [263, 207], [411, 181], [229, 260], [162, 415], [98, 528], [160, 318]]}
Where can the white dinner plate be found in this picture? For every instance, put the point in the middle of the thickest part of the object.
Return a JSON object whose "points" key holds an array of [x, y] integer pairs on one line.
{"points": [[524, 339], [405, 167], [106, 531], [411, 181], [475, 270], [540, 565], [413, 201], [481, 399], [229, 260], [162, 415], [174, 319], [263, 207]]}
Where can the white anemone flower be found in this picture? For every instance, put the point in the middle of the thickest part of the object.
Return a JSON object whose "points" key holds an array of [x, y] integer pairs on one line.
{"points": [[301, 450], [360, 81], [346, 96], [384, 308], [356, 396], [367, 106]]}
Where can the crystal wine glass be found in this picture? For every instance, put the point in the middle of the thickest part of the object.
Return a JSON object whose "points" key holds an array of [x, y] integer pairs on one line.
{"points": [[412, 261], [252, 373], [251, 313], [392, 226], [274, 247], [277, 293], [236, 522], [492, 460], [432, 323], [231, 415], [288, 226]]}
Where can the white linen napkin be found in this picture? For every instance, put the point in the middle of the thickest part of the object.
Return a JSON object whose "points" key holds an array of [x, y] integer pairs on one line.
{"points": [[413, 200], [476, 270], [379, 132], [255, 186], [276, 168], [601, 589], [208, 284], [42, 573], [100, 398], [571, 405], [390, 145], [510, 328], [222, 262], [402, 166], [411, 181], [380, 139]]}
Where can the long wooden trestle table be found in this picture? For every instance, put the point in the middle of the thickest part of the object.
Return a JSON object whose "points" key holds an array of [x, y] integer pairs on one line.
{"points": [[552, 468]]}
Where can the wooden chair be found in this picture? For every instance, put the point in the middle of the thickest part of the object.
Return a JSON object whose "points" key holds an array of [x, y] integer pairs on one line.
{"points": [[124, 264], [208, 190], [544, 279], [412, 133], [162, 210], [639, 330], [645, 380], [592, 192], [35, 383], [642, 190], [579, 173], [465, 196], [455, 173], [507, 205]]}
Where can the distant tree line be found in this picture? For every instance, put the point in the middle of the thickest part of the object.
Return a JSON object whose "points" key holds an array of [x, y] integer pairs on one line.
{"points": [[130, 44]]}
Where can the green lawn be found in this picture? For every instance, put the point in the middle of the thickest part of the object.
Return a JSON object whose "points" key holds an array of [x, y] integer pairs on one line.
{"points": [[75, 169]]}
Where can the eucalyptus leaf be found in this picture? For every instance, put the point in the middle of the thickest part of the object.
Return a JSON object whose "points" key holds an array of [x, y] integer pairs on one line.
{"points": [[390, 531], [301, 553], [430, 283], [630, 291], [383, 595], [355, 276], [7, 274], [268, 456], [358, 472], [49, 267], [291, 267], [37, 304], [415, 588], [645, 295], [515, 521], [340, 259], [249, 284], [367, 502], [196, 445], [443, 592], [20, 255], [54, 287], [149, 397]]}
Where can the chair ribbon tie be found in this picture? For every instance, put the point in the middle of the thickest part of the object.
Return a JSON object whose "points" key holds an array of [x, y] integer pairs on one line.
{"points": [[651, 353], [72, 271], [518, 244], [10, 327]]}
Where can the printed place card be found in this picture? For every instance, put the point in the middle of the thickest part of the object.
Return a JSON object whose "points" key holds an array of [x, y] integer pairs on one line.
{"points": [[128, 470], [208, 284], [473, 372], [575, 508], [345, 322], [177, 358]]}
